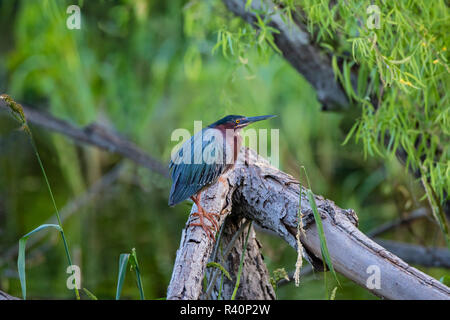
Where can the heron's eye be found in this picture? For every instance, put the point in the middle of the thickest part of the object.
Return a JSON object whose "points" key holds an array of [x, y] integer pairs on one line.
{"points": [[237, 121]]}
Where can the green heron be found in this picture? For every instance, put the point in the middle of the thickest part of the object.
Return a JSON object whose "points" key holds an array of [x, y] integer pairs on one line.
{"points": [[201, 161]]}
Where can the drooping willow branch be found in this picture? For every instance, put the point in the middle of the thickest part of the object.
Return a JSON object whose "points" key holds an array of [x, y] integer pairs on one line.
{"points": [[296, 46]]}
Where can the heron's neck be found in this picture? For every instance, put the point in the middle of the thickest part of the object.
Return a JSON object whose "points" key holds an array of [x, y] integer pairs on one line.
{"points": [[232, 139], [237, 142]]}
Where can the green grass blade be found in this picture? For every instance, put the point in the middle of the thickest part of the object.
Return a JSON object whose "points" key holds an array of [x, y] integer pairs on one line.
{"points": [[90, 294], [139, 284], [21, 255], [219, 296], [323, 241], [135, 265], [123, 262], [17, 111], [220, 267], [241, 263], [333, 294]]}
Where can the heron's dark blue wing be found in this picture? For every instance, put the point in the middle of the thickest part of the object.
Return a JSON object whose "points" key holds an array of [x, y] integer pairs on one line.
{"points": [[198, 163]]}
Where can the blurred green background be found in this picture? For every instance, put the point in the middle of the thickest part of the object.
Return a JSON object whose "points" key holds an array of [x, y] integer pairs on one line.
{"points": [[143, 69]]}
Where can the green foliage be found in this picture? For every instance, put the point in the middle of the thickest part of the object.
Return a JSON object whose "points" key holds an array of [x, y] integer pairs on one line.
{"points": [[134, 265], [90, 294], [223, 273], [123, 263], [403, 68], [124, 259], [278, 274], [318, 220]]}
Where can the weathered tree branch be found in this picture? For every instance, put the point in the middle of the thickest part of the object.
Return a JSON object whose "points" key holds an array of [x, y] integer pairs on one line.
{"points": [[5, 296], [428, 257], [297, 48], [94, 135], [415, 254], [270, 197]]}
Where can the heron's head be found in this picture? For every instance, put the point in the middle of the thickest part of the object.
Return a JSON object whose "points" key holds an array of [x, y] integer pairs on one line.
{"points": [[237, 122]]}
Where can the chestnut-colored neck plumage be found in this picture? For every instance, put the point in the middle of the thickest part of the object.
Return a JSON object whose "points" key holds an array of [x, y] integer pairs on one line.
{"points": [[234, 139]]}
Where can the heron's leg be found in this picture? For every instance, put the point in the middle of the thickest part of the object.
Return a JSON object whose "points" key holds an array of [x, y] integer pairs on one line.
{"points": [[201, 213], [208, 215]]}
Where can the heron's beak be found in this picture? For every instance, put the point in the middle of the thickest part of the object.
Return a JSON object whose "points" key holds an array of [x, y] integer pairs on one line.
{"points": [[245, 122]]}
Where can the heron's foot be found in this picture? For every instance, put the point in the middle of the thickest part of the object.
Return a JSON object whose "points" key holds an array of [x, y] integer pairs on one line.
{"points": [[210, 216], [210, 230]]}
